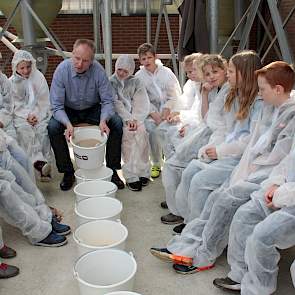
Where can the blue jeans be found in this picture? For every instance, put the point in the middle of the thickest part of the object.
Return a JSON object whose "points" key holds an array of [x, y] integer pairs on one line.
{"points": [[90, 116]]}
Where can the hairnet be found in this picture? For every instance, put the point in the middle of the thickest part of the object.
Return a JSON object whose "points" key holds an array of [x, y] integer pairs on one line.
{"points": [[22, 55], [125, 62]]}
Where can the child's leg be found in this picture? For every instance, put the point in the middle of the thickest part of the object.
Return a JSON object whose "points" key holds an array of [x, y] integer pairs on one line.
{"points": [[203, 183], [242, 226], [21, 157], [275, 232], [18, 213], [156, 151]]}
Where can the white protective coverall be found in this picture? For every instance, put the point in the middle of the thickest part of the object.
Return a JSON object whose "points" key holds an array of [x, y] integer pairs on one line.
{"points": [[31, 96], [188, 106], [132, 103], [211, 131], [205, 238], [200, 178], [163, 90], [258, 232], [21, 202], [6, 106], [292, 269]]}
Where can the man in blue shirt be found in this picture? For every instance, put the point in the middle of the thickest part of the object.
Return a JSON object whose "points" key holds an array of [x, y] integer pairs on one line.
{"points": [[81, 93]]}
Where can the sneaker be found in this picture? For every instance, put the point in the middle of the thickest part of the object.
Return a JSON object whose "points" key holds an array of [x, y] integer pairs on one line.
{"points": [[117, 180], [134, 186], [165, 255], [155, 171], [186, 270], [8, 271], [171, 219], [59, 228], [52, 240], [144, 181], [227, 283], [164, 205], [7, 252], [178, 228]]}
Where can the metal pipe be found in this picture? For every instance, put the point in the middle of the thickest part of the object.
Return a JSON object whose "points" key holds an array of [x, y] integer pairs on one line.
{"points": [[9, 19], [125, 8], [158, 25], [235, 30], [27, 22], [107, 36], [268, 34], [43, 27], [252, 13], [9, 44], [96, 24], [276, 36], [170, 40], [9, 35], [148, 20], [239, 11], [101, 56], [280, 32], [213, 20]]}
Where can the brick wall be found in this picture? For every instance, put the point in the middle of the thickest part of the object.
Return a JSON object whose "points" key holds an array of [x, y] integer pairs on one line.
{"points": [[127, 34]]}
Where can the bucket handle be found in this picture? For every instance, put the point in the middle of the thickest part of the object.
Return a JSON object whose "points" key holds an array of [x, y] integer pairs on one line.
{"points": [[131, 254]]}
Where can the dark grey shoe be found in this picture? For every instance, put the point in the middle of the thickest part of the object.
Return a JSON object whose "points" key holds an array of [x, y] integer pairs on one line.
{"points": [[8, 271], [179, 228], [134, 186], [171, 219], [227, 283], [164, 205]]}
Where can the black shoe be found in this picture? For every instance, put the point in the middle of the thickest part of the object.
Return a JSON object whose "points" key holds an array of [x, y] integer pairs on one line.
{"points": [[171, 219], [67, 181], [117, 180], [227, 283], [187, 270], [178, 228], [144, 181], [164, 205], [134, 186]]}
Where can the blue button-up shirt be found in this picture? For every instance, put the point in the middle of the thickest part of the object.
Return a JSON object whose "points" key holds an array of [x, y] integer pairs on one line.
{"points": [[80, 91]]}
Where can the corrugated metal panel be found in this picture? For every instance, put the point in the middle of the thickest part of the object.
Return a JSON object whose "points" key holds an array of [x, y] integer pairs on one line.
{"points": [[135, 6]]}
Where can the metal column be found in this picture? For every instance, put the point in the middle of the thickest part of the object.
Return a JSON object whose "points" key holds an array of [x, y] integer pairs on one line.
{"points": [[27, 22], [239, 12], [107, 35], [213, 20], [148, 20], [96, 24]]}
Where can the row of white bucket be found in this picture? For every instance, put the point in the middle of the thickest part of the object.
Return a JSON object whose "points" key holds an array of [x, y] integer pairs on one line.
{"points": [[103, 267]]}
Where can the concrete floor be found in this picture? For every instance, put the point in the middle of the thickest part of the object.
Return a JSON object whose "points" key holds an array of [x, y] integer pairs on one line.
{"points": [[49, 271]]}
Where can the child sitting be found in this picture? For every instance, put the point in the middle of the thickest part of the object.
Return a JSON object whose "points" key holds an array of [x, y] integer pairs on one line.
{"points": [[163, 90], [132, 105], [30, 95]]}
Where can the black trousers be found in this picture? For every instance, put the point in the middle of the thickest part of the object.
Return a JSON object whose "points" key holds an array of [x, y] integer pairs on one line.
{"points": [[90, 116]]}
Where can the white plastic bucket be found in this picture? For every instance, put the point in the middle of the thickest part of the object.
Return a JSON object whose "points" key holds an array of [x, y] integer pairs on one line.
{"points": [[100, 208], [101, 173], [123, 293], [89, 157], [95, 188], [100, 234], [104, 271]]}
